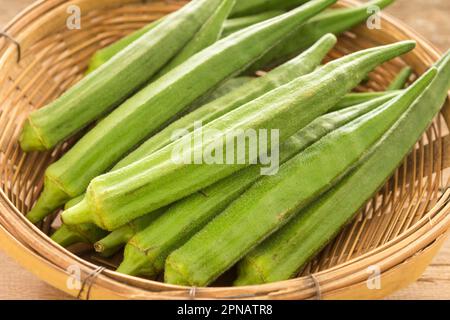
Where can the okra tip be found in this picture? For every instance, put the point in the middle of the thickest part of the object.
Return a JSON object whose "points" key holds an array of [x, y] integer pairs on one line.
{"points": [[327, 41], [408, 44], [404, 46], [30, 139]]}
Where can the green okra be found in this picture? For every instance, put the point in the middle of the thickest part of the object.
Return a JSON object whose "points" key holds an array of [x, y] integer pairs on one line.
{"points": [[236, 24], [116, 80], [349, 100], [64, 236], [111, 243], [146, 252], [247, 89], [80, 233], [250, 90], [333, 21], [282, 255], [355, 98], [208, 34], [401, 79], [222, 90], [250, 7], [274, 200], [118, 197], [152, 107], [105, 54]]}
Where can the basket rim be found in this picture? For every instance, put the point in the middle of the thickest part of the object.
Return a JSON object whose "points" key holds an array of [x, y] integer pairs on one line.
{"points": [[170, 291], [22, 14]]}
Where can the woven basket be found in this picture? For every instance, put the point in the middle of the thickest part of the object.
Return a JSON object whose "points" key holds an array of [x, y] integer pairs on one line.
{"points": [[397, 233]]}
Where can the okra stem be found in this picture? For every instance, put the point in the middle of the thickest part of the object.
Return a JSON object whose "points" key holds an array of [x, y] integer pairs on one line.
{"points": [[114, 241]]}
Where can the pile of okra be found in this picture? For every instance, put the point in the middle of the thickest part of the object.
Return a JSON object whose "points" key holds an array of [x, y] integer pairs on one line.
{"points": [[219, 139]]}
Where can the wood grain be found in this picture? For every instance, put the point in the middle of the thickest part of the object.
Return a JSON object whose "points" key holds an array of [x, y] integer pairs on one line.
{"points": [[430, 18]]}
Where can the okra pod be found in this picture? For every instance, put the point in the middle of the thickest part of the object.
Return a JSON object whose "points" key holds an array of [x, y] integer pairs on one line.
{"points": [[250, 7], [120, 196], [145, 253], [401, 79], [299, 66], [116, 80], [334, 21], [209, 33], [250, 89], [355, 98], [282, 255], [274, 200], [222, 90], [156, 104], [105, 54], [228, 99], [236, 24]]}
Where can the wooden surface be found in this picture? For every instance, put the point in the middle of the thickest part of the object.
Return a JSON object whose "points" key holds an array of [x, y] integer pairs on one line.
{"points": [[429, 18]]}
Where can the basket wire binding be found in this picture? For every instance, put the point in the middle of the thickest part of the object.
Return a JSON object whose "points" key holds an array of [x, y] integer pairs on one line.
{"points": [[15, 42]]}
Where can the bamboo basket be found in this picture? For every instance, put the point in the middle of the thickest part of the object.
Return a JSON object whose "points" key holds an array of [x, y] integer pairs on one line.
{"points": [[396, 234]]}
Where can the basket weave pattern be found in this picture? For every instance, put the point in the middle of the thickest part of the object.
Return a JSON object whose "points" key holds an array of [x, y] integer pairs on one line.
{"points": [[398, 230]]}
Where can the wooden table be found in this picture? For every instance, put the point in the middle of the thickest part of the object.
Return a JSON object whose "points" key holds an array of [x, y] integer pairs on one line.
{"points": [[430, 18]]}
